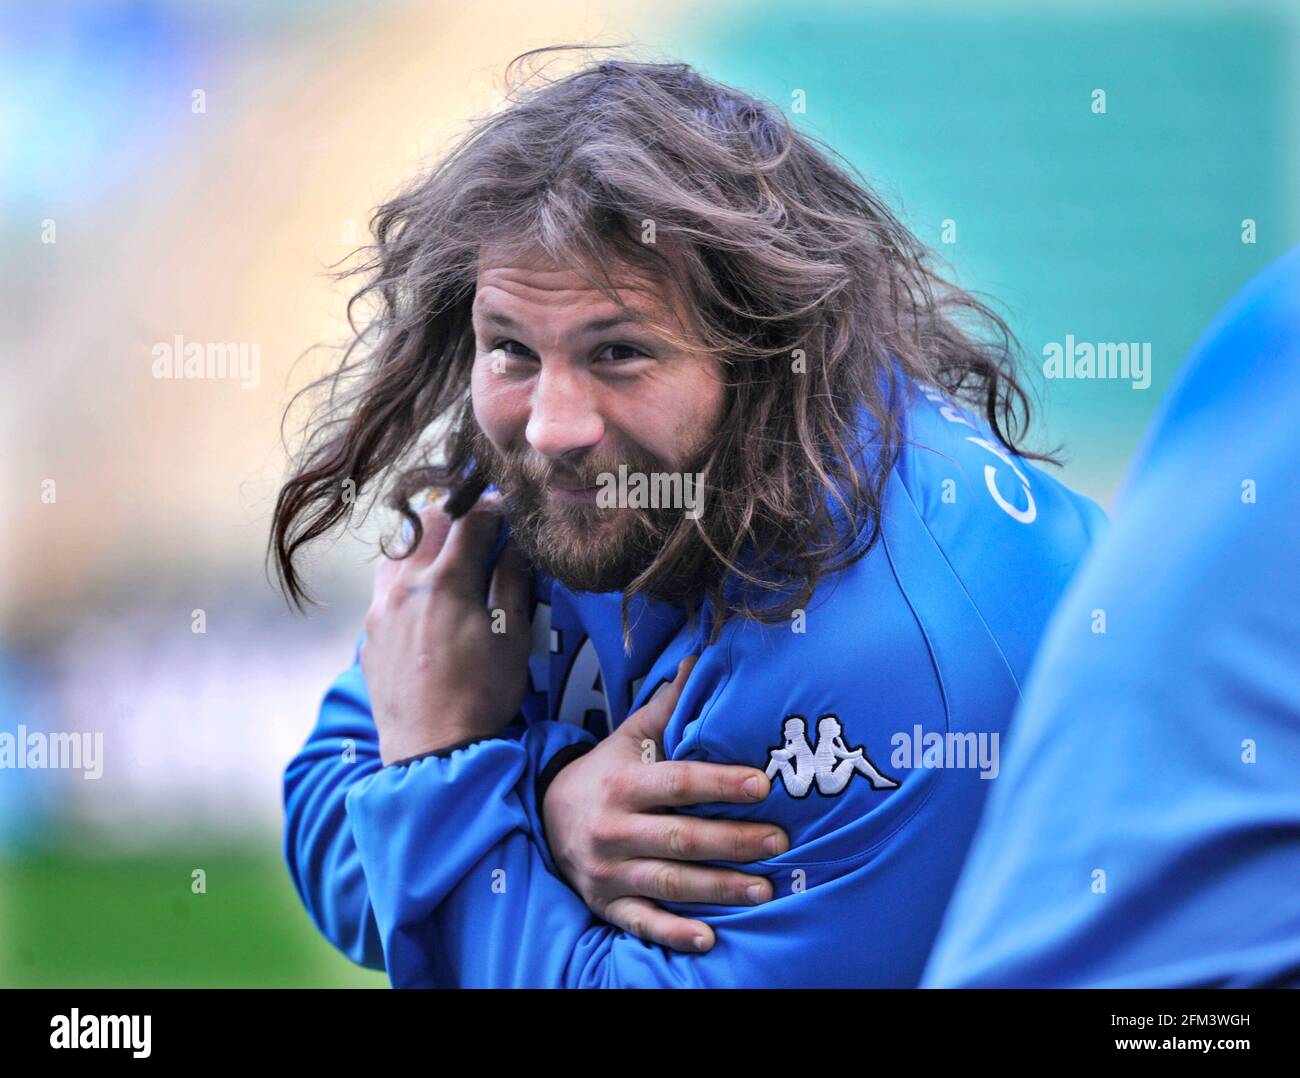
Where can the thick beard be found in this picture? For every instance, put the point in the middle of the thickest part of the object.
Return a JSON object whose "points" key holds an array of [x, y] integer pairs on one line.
{"points": [[584, 547]]}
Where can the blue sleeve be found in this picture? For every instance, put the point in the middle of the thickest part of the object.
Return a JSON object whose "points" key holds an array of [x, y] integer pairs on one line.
{"points": [[488, 910], [319, 845], [1146, 830], [464, 892]]}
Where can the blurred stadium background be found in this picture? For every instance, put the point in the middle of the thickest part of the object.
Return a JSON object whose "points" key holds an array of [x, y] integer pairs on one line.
{"points": [[129, 215]]}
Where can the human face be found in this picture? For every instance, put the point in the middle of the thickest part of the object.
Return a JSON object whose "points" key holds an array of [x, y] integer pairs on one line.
{"points": [[566, 388]]}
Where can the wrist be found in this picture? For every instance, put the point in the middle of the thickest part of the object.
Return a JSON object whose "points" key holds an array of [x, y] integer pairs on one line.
{"points": [[547, 776], [443, 744]]}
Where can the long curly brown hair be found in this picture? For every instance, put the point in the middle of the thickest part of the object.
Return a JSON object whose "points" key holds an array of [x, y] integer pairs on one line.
{"points": [[817, 302]]}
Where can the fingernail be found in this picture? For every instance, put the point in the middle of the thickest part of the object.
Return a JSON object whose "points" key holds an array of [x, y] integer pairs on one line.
{"points": [[701, 943], [753, 788], [757, 892], [773, 844]]}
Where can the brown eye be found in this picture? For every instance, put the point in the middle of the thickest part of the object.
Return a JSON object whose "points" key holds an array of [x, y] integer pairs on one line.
{"points": [[627, 351], [505, 346]]}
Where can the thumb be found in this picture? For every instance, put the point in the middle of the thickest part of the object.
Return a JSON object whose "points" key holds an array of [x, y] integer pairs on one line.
{"points": [[511, 589], [651, 719]]}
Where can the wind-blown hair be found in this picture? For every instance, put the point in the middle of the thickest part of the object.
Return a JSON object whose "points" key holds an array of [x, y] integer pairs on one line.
{"points": [[816, 301]]}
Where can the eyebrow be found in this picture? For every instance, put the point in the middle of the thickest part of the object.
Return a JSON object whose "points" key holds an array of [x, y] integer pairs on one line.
{"points": [[596, 325]]}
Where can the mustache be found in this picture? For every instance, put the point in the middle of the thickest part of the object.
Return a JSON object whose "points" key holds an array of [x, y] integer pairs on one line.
{"points": [[584, 474], [520, 466]]}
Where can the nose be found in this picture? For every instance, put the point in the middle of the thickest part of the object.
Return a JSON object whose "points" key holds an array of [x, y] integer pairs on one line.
{"points": [[565, 418]]}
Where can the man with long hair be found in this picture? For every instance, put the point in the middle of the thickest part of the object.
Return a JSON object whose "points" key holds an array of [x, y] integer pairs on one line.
{"points": [[547, 764]]}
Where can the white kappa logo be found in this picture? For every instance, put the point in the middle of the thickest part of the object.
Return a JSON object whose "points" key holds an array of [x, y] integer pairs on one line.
{"points": [[830, 766]]}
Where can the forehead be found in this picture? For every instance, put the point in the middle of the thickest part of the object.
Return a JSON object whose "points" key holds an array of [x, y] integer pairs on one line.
{"points": [[509, 281]]}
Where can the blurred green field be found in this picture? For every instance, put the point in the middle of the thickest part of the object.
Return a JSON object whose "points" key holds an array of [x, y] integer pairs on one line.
{"points": [[77, 920]]}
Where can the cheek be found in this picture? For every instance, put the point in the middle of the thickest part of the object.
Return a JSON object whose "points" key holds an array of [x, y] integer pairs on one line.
{"points": [[706, 396], [500, 408], [712, 395], [674, 417]]}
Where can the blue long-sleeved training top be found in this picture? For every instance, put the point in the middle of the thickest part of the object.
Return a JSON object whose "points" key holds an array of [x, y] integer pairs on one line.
{"points": [[1146, 832], [877, 711]]}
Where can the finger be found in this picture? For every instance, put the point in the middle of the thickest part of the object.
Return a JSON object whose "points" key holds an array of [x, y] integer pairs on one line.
{"points": [[650, 719], [676, 881], [688, 838], [435, 524], [648, 922], [460, 565], [512, 589], [385, 574], [675, 783]]}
